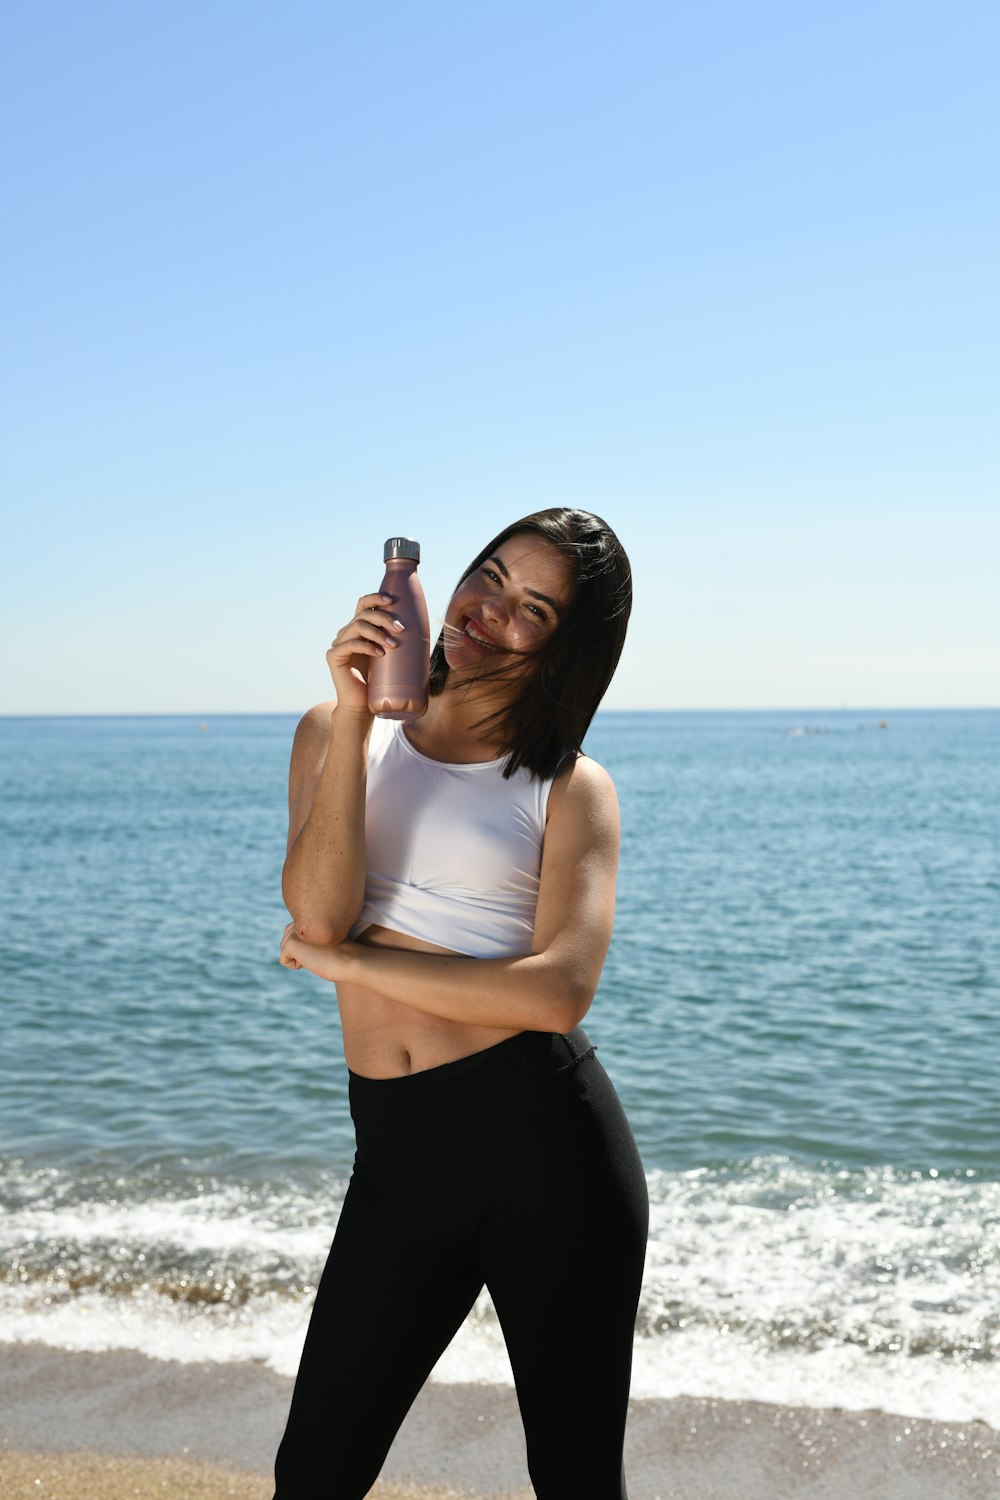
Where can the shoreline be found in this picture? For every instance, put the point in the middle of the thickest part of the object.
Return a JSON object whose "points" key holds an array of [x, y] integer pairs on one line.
{"points": [[142, 1423]]}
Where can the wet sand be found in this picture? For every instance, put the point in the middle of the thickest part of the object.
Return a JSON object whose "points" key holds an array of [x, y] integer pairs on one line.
{"points": [[88, 1476], [116, 1425]]}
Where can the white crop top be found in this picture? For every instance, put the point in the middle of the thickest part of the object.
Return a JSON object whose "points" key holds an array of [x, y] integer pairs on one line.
{"points": [[453, 852]]}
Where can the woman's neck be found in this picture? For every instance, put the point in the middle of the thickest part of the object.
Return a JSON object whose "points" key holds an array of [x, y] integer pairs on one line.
{"points": [[452, 729]]}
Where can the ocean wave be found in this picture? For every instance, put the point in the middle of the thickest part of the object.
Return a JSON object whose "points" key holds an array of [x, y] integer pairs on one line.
{"points": [[769, 1280]]}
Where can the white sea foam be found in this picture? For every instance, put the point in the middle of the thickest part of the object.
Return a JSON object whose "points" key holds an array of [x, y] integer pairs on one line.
{"points": [[775, 1282], [699, 1363], [224, 1220], [708, 1364]]}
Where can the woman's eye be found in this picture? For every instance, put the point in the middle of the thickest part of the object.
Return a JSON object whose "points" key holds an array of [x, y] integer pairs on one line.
{"points": [[491, 575]]}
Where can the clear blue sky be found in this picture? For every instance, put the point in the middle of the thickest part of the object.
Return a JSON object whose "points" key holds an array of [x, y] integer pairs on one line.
{"points": [[280, 280]]}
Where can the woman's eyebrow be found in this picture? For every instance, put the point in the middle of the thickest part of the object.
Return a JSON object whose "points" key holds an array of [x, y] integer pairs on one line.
{"points": [[533, 592]]}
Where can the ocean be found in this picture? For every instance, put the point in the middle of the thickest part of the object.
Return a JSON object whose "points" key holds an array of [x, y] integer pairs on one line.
{"points": [[799, 1010]]}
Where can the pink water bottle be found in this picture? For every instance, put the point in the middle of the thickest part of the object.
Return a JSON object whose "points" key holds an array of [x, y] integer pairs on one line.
{"points": [[397, 681]]}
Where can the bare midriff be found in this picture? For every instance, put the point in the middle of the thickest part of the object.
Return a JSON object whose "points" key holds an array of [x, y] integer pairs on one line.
{"points": [[385, 1039]]}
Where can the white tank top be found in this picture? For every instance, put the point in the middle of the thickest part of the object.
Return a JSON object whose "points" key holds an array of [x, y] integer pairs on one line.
{"points": [[453, 852]]}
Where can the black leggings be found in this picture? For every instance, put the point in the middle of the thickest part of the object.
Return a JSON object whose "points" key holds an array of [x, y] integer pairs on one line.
{"points": [[515, 1167]]}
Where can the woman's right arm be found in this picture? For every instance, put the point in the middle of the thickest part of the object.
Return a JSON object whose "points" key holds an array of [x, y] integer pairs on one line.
{"points": [[323, 880]]}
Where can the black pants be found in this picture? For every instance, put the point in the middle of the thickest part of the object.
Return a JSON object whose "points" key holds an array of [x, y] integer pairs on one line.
{"points": [[515, 1167]]}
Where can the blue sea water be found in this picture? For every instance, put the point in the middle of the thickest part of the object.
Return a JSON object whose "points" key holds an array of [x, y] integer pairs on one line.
{"points": [[799, 1011]]}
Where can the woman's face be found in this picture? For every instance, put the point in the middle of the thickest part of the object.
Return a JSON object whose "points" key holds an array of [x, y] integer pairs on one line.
{"points": [[510, 604]]}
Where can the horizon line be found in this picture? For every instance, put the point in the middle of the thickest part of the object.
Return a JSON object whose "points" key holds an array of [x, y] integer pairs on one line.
{"points": [[282, 713]]}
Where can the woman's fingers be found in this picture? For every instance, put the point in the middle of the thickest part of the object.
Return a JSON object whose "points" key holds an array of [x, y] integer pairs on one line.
{"points": [[284, 955], [374, 613], [373, 601], [369, 632], [362, 636]]}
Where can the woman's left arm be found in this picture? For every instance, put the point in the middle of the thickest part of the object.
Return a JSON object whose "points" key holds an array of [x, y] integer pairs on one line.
{"points": [[549, 989]]}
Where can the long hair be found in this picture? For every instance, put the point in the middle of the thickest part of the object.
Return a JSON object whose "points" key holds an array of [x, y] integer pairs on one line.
{"points": [[560, 686]]}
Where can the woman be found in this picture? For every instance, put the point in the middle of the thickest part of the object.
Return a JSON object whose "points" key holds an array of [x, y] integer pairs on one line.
{"points": [[465, 924]]}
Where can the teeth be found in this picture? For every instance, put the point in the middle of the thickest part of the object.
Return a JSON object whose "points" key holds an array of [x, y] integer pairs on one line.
{"points": [[471, 630]]}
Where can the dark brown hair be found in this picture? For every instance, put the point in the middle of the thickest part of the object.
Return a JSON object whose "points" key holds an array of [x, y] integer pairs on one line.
{"points": [[561, 685]]}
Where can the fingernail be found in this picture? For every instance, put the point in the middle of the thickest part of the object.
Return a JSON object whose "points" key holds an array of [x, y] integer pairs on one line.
{"points": [[398, 625]]}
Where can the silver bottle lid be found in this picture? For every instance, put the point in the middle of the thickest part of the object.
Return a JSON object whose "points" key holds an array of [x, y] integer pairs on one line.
{"points": [[401, 546]]}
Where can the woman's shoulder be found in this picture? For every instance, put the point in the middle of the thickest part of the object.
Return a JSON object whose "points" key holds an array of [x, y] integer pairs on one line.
{"points": [[583, 787], [314, 729], [315, 722], [311, 744]]}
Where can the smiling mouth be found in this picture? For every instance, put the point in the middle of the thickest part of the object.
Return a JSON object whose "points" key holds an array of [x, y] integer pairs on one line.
{"points": [[478, 635]]}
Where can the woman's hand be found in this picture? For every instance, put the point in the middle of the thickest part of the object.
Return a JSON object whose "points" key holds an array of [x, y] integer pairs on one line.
{"points": [[289, 941], [327, 962], [373, 631]]}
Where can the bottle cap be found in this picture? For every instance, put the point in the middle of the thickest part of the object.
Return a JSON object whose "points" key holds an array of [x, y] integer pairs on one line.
{"points": [[401, 546]]}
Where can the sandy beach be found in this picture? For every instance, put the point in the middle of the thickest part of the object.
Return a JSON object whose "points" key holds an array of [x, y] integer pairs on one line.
{"points": [[90, 1476], [79, 1426]]}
